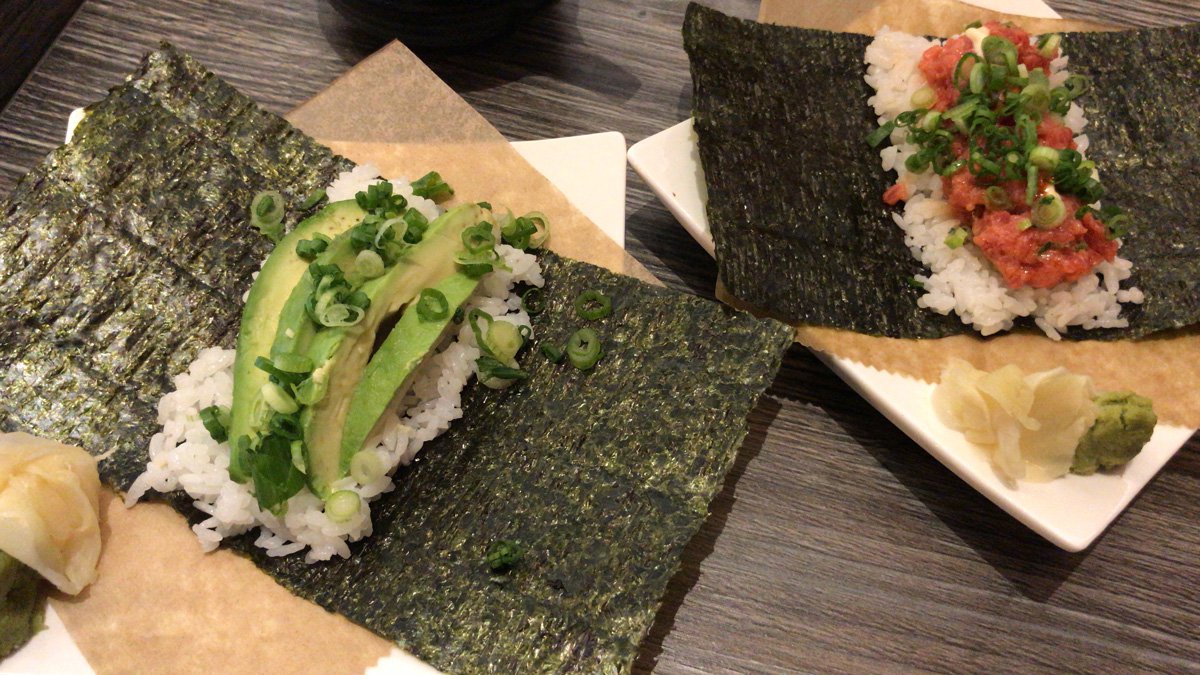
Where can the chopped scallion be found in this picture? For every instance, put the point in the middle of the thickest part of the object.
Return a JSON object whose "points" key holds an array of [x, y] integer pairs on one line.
{"points": [[956, 238], [216, 422], [592, 305], [368, 264], [554, 354], [1048, 212], [533, 301], [342, 505], [432, 305], [278, 399], [924, 97], [583, 348], [503, 555], [315, 197]]}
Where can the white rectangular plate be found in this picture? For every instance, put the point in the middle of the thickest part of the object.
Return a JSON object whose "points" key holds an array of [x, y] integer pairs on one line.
{"points": [[1070, 512]]}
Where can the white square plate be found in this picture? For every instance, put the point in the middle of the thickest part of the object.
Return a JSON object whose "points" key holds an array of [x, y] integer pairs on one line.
{"points": [[1070, 512]]}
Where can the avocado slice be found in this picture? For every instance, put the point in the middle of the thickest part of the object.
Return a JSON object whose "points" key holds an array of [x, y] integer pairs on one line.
{"points": [[392, 367], [260, 317], [340, 354]]}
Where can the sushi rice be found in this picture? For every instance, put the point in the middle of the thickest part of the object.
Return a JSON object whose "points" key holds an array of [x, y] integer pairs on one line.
{"points": [[961, 280], [183, 456]]}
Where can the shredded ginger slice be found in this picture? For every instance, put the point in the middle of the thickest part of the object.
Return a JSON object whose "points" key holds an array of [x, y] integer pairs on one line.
{"points": [[1029, 424], [50, 509]]}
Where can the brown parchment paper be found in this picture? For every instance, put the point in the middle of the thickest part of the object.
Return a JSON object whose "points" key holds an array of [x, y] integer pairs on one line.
{"points": [[1165, 368], [160, 605]]}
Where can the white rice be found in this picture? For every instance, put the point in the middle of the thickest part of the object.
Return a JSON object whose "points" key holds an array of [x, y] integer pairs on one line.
{"points": [[184, 457], [961, 280]]}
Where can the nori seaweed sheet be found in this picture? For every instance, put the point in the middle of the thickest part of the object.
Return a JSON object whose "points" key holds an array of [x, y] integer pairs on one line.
{"points": [[128, 250], [603, 476], [795, 191]]}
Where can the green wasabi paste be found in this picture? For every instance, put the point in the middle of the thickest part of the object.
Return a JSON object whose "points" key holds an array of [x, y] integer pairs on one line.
{"points": [[1124, 423]]}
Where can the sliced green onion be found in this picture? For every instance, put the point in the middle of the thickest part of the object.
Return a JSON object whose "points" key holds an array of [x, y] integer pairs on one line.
{"points": [[504, 340], [311, 390], [958, 79], [554, 354], [280, 375], [1118, 225], [1044, 247], [924, 97], [1048, 44], [592, 304], [278, 399], [431, 186], [533, 301], [1031, 183], [309, 249], [959, 113], [931, 121], [996, 198], [1044, 157], [956, 238], [432, 305], [915, 283], [1048, 212], [503, 555], [979, 77], [287, 426], [476, 265], [478, 238], [366, 467], [1024, 224], [953, 167], [359, 299], [315, 197], [267, 206], [340, 315], [1035, 97], [416, 224], [216, 422], [473, 321], [392, 229], [296, 447], [876, 137], [266, 214], [368, 264], [1000, 52], [342, 505], [1076, 85], [495, 374], [583, 348], [541, 226], [917, 162]]}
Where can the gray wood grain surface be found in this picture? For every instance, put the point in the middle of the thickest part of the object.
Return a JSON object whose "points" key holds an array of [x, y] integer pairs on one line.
{"points": [[27, 27], [837, 544]]}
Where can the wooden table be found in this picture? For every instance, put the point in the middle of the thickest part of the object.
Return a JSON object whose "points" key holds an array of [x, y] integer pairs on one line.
{"points": [[837, 543]]}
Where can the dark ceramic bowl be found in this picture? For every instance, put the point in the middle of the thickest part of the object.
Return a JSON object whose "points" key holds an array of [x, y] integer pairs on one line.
{"points": [[438, 24]]}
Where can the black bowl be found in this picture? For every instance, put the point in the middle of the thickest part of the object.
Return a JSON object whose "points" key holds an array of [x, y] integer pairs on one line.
{"points": [[438, 24]]}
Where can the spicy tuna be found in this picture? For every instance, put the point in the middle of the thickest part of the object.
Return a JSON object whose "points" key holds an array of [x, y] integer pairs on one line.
{"points": [[990, 122]]}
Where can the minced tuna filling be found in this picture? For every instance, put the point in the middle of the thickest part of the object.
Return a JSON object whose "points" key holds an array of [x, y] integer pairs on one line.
{"points": [[1024, 256], [974, 229]]}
